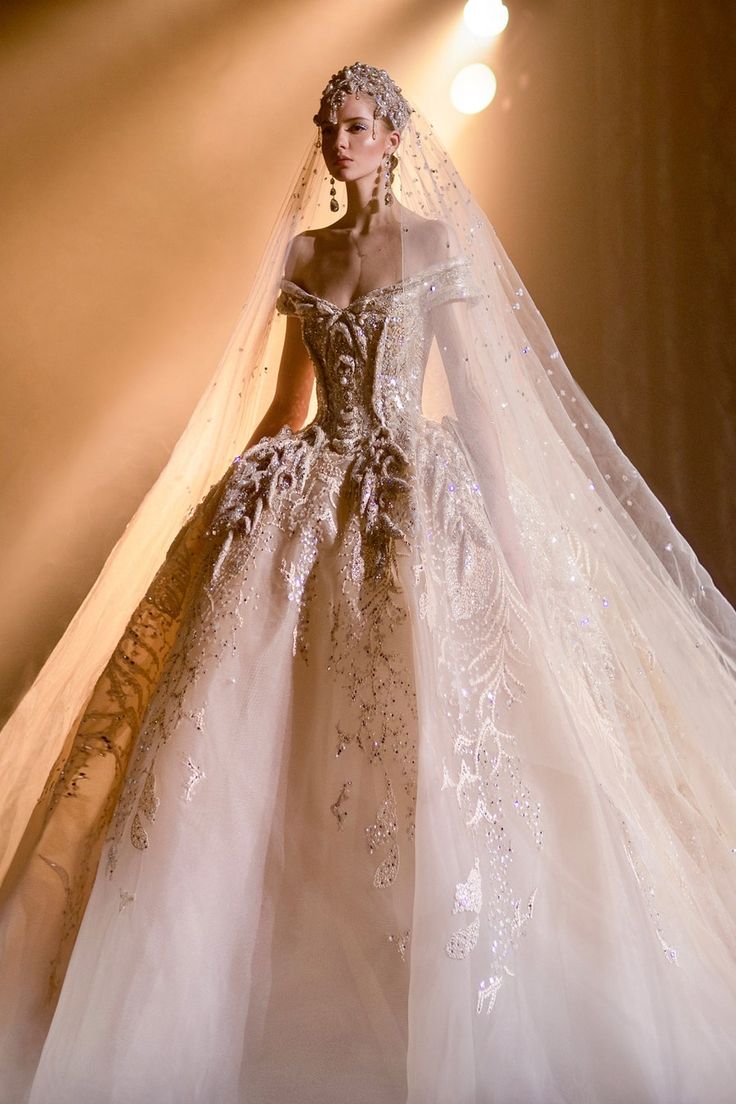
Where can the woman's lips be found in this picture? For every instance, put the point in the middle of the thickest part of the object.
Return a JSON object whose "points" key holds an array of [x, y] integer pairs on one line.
{"points": [[342, 161]]}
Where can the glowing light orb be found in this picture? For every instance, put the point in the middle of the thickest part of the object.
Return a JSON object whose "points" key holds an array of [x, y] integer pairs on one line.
{"points": [[473, 88], [486, 18]]}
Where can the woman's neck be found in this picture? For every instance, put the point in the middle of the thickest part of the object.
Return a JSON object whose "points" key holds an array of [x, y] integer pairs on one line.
{"points": [[367, 210]]}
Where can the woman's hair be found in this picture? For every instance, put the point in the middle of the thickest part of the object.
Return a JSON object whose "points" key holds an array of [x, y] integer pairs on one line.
{"points": [[359, 79]]}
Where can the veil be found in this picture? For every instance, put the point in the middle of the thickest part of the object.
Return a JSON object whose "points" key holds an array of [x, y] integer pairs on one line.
{"points": [[607, 631], [608, 636]]}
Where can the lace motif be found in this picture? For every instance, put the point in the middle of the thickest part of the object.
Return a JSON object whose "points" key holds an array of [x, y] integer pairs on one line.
{"points": [[93, 772], [468, 594]]}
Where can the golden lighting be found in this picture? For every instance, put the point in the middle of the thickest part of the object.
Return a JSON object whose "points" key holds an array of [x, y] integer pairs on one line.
{"points": [[473, 88], [486, 18]]}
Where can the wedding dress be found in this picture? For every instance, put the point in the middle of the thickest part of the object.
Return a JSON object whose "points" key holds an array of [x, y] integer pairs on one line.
{"points": [[407, 781]]}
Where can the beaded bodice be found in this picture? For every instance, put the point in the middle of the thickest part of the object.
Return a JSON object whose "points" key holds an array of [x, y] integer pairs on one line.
{"points": [[370, 355]]}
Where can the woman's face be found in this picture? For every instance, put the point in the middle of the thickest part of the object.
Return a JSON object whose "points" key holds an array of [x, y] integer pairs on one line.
{"points": [[354, 145]]}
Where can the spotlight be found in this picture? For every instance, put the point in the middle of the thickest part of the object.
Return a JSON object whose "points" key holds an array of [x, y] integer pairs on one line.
{"points": [[473, 88], [486, 18]]}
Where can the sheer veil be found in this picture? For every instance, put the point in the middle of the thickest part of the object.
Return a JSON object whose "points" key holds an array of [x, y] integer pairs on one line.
{"points": [[617, 646], [610, 631], [228, 411]]}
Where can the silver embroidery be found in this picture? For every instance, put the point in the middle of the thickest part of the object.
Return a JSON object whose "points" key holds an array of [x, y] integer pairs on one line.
{"points": [[382, 833], [463, 941], [401, 939], [194, 776], [336, 807], [468, 895], [465, 587], [487, 992]]}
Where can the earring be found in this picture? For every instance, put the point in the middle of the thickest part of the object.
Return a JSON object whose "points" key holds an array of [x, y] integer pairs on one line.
{"points": [[391, 163], [334, 205]]}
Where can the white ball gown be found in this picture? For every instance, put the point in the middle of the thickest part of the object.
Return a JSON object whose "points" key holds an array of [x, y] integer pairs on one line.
{"points": [[381, 825]]}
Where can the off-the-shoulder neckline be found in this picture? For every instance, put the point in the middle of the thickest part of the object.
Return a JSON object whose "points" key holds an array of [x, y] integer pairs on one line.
{"points": [[439, 266]]}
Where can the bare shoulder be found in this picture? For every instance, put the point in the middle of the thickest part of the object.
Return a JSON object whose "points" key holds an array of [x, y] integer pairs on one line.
{"points": [[304, 247], [299, 252], [432, 240]]}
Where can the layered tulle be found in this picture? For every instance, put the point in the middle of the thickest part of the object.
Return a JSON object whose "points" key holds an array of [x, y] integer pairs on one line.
{"points": [[289, 906]]}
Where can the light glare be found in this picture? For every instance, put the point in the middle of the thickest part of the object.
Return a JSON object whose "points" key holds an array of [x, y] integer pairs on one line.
{"points": [[473, 88], [486, 18]]}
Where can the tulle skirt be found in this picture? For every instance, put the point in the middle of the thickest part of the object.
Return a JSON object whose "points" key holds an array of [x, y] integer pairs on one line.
{"points": [[373, 847]]}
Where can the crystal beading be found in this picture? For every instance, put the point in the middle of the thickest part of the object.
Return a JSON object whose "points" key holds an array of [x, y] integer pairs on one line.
{"points": [[357, 79]]}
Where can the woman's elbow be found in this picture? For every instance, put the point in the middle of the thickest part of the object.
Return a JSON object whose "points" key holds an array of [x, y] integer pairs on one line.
{"points": [[293, 414]]}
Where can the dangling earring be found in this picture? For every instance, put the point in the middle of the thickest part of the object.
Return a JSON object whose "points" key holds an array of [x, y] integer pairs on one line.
{"points": [[334, 205], [391, 163]]}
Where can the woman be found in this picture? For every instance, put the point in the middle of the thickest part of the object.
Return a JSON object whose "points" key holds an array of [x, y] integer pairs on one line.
{"points": [[411, 777]]}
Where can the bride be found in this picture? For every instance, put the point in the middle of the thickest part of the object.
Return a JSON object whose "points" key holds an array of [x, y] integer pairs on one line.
{"points": [[389, 759]]}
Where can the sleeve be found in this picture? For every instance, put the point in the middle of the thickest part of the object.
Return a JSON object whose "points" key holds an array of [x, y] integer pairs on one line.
{"points": [[285, 303], [454, 281]]}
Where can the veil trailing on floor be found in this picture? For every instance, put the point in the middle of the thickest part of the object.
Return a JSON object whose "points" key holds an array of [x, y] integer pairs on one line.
{"points": [[606, 627]]}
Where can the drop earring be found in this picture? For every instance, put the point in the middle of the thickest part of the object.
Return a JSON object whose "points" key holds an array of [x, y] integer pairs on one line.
{"points": [[391, 163], [334, 205]]}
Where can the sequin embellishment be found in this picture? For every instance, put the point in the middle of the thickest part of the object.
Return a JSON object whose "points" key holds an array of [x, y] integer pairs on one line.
{"points": [[401, 939], [381, 834]]}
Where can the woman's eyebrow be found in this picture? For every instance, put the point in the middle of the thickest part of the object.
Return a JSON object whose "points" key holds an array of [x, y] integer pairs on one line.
{"points": [[354, 119]]}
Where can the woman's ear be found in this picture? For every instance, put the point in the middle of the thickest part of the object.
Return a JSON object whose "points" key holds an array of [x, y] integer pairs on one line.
{"points": [[394, 139]]}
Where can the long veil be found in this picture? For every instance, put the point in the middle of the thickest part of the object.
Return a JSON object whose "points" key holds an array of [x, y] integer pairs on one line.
{"points": [[611, 668], [608, 635]]}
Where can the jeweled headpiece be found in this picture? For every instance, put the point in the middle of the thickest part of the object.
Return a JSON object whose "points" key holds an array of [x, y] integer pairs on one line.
{"points": [[359, 78]]}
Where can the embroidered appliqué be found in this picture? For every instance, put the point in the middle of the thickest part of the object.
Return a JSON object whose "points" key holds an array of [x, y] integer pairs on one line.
{"points": [[337, 806], [463, 941], [487, 993], [401, 939], [466, 591], [382, 833], [469, 895], [195, 775]]}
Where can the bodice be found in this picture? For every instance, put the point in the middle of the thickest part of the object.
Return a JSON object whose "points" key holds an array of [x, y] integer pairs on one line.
{"points": [[370, 356], [368, 437]]}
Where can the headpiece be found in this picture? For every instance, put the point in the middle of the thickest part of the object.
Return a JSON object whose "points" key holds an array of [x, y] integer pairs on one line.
{"points": [[359, 78]]}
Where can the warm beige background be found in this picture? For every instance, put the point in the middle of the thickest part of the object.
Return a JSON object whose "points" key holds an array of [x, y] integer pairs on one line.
{"points": [[145, 148]]}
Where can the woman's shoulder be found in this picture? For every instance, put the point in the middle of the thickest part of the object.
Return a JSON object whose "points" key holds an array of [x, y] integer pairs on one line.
{"points": [[431, 240], [430, 228], [299, 252]]}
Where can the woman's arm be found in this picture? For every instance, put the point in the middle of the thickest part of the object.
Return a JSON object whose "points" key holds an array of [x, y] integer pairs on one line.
{"points": [[290, 403], [295, 379]]}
